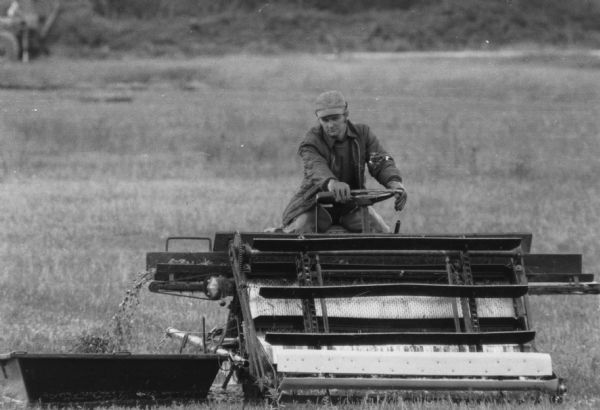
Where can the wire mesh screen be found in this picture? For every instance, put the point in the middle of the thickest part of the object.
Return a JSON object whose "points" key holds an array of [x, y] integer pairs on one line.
{"points": [[381, 307]]}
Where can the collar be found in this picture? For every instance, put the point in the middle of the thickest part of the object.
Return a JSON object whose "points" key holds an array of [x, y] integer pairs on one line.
{"points": [[350, 133]]}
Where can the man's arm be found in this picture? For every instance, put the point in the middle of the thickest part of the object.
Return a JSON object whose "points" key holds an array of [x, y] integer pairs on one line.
{"points": [[381, 165], [317, 171], [316, 167], [383, 168]]}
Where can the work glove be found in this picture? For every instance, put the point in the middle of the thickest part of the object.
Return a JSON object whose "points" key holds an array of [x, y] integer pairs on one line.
{"points": [[341, 190], [401, 197]]}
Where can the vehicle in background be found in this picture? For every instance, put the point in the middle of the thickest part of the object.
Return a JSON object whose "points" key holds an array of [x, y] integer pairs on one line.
{"points": [[24, 26]]}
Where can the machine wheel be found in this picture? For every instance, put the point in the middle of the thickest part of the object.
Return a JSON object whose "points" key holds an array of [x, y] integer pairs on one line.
{"points": [[9, 46]]}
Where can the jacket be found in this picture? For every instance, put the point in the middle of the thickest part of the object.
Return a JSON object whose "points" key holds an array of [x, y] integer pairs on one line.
{"points": [[316, 151]]}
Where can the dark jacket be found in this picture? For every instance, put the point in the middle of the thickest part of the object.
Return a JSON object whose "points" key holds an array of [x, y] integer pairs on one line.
{"points": [[317, 156]]}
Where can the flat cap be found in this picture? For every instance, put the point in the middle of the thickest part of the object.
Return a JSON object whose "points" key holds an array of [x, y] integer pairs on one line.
{"points": [[330, 103]]}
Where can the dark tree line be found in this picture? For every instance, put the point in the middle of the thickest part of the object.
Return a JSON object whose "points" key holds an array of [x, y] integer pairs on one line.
{"points": [[155, 8]]}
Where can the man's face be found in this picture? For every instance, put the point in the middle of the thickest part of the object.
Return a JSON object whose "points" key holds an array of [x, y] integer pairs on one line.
{"points": [[334, 125]]}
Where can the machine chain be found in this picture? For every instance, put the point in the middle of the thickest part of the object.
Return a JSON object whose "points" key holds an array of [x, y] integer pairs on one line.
{"points": [[305, 276], [453, 279], [467, 277], [258, 374], [318, 277], [521, 305]]}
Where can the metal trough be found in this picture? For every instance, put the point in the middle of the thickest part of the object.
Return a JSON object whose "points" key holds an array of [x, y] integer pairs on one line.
{"points": [[106, 378]]}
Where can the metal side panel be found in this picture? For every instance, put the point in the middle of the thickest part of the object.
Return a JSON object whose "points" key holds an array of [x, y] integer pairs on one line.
{"points": [[197, 258], [222, 239], [438, 364], [395, 338], [66, 378], [553, 263], [302, 383], [391, 243], [189, 272]]}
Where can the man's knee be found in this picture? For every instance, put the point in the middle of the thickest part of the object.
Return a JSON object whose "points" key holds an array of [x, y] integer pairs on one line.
{"points": [[353, 221], [305, 223]]}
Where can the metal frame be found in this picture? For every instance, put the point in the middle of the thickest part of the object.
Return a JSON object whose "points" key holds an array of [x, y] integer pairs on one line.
{"points": [[552, 385], [429, 264]]}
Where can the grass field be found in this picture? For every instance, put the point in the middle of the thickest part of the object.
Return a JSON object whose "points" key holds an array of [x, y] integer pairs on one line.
{"points": [[102, 160]]}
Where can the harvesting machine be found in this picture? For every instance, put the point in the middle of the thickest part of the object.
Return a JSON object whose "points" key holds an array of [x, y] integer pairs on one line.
{"points": [[340, 314]]}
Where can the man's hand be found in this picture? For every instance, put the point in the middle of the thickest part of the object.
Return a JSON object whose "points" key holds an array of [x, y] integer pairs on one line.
{"points": [[341, 190], [401, 197]]}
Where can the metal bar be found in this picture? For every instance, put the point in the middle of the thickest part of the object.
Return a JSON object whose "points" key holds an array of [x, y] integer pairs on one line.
{"points": [[559, 278], [204, 334], [581, 288], [286, 269], [329, 270], [382, 259], [372, 274], [191, 269], [365, 220], [393, 289], [222, 239], [302, 383], [418, 324], [441, 338], [157, 286], [384, 243], [388, 257], [390, 253], [388, 269], [191, 338]]}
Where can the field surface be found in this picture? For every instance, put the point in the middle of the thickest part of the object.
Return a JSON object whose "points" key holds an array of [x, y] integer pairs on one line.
{"points": [[101, 161]]}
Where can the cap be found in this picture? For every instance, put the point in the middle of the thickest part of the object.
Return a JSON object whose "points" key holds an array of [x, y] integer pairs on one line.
{"points": [[330, 103]]}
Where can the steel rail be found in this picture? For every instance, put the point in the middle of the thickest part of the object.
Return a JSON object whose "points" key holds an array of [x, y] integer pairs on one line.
{"points": [[301, 383]]}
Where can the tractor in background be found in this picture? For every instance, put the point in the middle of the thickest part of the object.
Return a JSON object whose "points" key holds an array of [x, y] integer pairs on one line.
{"points": [[24, 26]]}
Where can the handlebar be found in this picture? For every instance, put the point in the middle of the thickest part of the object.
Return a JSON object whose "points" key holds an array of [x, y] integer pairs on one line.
{"points": [[360, 197]]}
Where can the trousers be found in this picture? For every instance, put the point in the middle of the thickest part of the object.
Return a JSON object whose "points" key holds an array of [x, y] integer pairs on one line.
{"points": [[352, 221]]}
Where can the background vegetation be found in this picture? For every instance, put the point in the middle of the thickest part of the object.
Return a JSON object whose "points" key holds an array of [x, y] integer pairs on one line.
{"points": [[193, 27], [102, 160]]}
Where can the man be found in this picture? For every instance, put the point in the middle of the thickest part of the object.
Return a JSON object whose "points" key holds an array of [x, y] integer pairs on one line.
{"points": [[335, 154]]}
